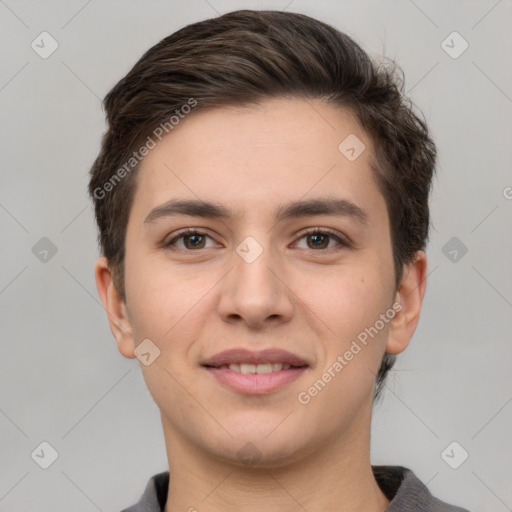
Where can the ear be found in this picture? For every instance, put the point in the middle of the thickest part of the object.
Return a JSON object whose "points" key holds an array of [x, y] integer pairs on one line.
{"points": [[115, 308], [410, 296]]}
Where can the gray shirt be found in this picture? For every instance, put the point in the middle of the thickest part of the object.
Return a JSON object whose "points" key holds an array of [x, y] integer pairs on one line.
{"points": [[401, 486]]}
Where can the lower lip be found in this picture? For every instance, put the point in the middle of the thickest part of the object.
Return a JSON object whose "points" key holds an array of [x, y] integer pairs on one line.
{"points": [[256, 383]]}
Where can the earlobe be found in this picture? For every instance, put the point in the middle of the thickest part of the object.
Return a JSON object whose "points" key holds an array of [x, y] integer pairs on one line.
{"points": [[410, 296], [115, 308]]}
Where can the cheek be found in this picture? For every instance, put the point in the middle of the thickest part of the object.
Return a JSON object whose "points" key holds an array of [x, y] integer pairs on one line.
{"points": [[352, 346], [354, 343], [348, 299], [167, 305]]}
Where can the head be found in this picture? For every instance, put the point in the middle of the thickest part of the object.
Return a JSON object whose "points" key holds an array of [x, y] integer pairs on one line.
{"points": [[249, 111]]}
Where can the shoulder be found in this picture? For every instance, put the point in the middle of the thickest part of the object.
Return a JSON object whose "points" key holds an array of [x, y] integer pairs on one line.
{"points": [[401, 486], [407, 493], [154, 496]]}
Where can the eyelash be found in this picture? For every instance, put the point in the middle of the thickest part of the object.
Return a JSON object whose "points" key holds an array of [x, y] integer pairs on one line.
{"points": [[322, 231]]}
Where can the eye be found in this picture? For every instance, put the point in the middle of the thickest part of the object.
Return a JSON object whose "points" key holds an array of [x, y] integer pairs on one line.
{"points": [[192, 239], [195, 240], [320, 239]]}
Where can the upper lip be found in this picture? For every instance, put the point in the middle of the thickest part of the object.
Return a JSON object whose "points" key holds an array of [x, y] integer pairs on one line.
{"points": [[241, 355]]}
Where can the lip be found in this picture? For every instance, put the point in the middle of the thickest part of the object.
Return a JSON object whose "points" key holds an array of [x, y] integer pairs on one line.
{"points": [[241, 355], [255, 384]]}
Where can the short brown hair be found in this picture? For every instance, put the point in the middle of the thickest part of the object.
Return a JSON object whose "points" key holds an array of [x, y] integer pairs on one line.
{"points": [[242, 58]]}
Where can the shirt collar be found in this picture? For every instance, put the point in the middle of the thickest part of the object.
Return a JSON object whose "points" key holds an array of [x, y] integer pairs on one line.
{"points": [[400, 485]]}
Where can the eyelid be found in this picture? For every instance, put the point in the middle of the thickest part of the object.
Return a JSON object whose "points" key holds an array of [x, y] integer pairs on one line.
{"points": [[342, 239], [183, 232]]}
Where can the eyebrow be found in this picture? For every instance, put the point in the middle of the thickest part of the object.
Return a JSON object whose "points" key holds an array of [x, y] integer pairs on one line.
{"points": [[199, 208]]}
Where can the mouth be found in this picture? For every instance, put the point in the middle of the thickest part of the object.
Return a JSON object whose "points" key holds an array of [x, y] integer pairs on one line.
{"points": [[246, 359], [261, 368], [255, 373]]}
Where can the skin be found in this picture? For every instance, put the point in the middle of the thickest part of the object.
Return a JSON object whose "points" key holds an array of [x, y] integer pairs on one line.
{"points": [[193, 303]]}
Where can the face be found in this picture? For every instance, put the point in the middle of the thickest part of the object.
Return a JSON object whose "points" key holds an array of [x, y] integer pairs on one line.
{"points": [[299, 261]]}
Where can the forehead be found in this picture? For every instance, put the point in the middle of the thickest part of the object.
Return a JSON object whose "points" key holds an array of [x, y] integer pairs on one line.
{"points": [[254, 157]]}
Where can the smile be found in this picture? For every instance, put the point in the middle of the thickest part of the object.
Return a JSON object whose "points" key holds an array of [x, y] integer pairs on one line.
{"points": [[256, 368], [255, 379]]}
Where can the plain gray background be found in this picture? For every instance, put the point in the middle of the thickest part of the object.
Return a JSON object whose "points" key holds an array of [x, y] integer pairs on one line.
{"points": [[62, 379]]}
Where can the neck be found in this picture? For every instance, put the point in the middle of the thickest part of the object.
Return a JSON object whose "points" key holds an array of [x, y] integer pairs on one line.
{"points": [[336, 476]]}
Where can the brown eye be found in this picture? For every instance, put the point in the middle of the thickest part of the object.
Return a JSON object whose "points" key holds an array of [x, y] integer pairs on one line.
{"points": [[192, 240], [319, 239]]}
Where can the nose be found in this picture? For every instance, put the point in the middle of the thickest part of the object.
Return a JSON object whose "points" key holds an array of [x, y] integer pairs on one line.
{"points": [[255, 292]]}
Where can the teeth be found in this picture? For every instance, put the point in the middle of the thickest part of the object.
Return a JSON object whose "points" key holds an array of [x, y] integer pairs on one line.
{"points": [[258, 368], [248, 368]]}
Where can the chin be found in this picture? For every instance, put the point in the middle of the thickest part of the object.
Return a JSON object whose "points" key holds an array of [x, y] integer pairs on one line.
{"points": [[260, 447]]}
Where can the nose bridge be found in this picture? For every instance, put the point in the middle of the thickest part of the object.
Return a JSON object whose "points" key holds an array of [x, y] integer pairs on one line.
{"points": [[253, 291], [252, 263]]}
